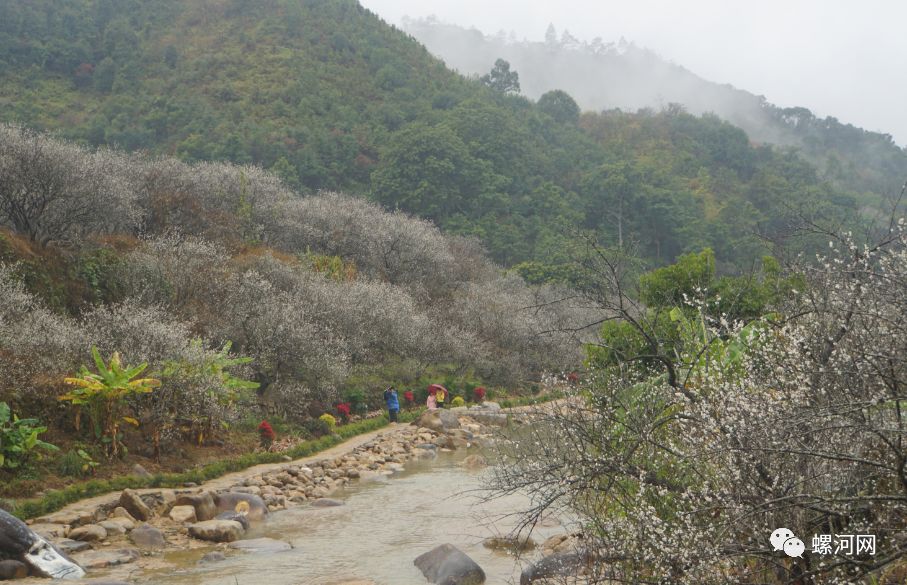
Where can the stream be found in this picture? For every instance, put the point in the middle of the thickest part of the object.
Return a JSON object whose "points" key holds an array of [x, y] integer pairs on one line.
{"points": [[378, 532]]}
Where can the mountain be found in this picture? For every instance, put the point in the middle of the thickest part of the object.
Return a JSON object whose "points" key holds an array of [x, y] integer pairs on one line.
{"points": [[622, 75], [328, 96]]}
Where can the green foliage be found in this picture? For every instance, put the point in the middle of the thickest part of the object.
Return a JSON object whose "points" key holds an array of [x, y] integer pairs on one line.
{"points": [[501, 79], [19, 438], [328, 423], [458, 401], [104, 395], [326, 105], [76, 463], [357, 399], [687, 279]]}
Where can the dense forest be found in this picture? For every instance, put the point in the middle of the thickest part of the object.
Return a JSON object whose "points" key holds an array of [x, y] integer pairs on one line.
{"points": [[327, 96], [604, 75]]}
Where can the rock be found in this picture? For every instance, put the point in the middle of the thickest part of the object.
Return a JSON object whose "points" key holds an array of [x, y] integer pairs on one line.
{"points": [[121, 512], [252, 506], [236, 517], [113, 527], [448, 565], [13, 570], [69, 546], [203, 503], [88, 533], [261, 545], [213, 557], [125, 523], [147, 536], [509, 543], [51, 531], [183, 514], [100, 559], [133, 504], [17, 539], [217, 530], [140, 471], [562, 564], [326, 503], [438, 420], [475, 462]]}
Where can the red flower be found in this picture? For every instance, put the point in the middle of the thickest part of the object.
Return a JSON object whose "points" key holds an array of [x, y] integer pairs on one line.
{"points": [[343, 409], [265, 430], [573, 377], [408, 397], [479, 393]]}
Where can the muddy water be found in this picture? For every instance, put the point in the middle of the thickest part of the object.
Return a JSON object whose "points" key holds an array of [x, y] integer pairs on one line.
{"points": [[382, 526]]}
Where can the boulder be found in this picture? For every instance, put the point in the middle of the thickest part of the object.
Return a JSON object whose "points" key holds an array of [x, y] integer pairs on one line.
{"points": [[563, 564], [147, 536], [205, 508], [261, 545], [236, 517], [88, 533], [51, 531], [183, 514], [250, 505], [448, 565], [132, 503], [12, 570], [438, 420], [121, 512], [140, 471], [217, 530]]}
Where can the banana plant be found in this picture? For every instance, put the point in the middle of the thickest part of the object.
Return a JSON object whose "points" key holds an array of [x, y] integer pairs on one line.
{"points": [[18, 438], [104, 395]]}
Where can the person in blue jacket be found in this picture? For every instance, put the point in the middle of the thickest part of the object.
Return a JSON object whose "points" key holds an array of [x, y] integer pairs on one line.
{"points": [[393, 404]]}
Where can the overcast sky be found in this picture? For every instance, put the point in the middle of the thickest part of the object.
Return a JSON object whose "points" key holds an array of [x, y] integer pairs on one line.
{"points": [[843, 58]]}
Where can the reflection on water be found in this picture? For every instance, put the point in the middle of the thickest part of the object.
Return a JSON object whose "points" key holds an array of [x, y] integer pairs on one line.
{"points": [[375, 535]]}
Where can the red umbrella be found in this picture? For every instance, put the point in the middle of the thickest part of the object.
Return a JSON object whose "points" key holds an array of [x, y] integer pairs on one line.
{"points": [[433, 389]]}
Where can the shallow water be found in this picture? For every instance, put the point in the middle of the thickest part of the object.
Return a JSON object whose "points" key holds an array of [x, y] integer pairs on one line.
{"points": [[378, 532]]}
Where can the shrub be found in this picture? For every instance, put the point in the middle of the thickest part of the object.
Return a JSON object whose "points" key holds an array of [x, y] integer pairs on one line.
{"points": [[76, 463], [105, 393], [479, 393], [457, 401], [328, 423], [19, 438], [266, 434], [343, 409], [409, 398]]}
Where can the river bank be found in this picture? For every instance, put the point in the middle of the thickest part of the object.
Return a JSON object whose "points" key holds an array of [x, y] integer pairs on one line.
{"points": [[124, 534]]}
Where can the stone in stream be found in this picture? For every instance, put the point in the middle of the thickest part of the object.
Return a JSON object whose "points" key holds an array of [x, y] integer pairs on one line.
{"points": [[88, 533], [448, 565], [250, 505], [326, 503], [132, 503], [205, 509], [261, 545], [217, 530], [509, 543], [147, 536], [213, 557], [562, 564], [236, 517], [19, 541]]}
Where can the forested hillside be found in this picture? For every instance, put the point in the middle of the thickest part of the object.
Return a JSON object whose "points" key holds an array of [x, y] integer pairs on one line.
{"points": [[329, 97], [605, 75]]}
